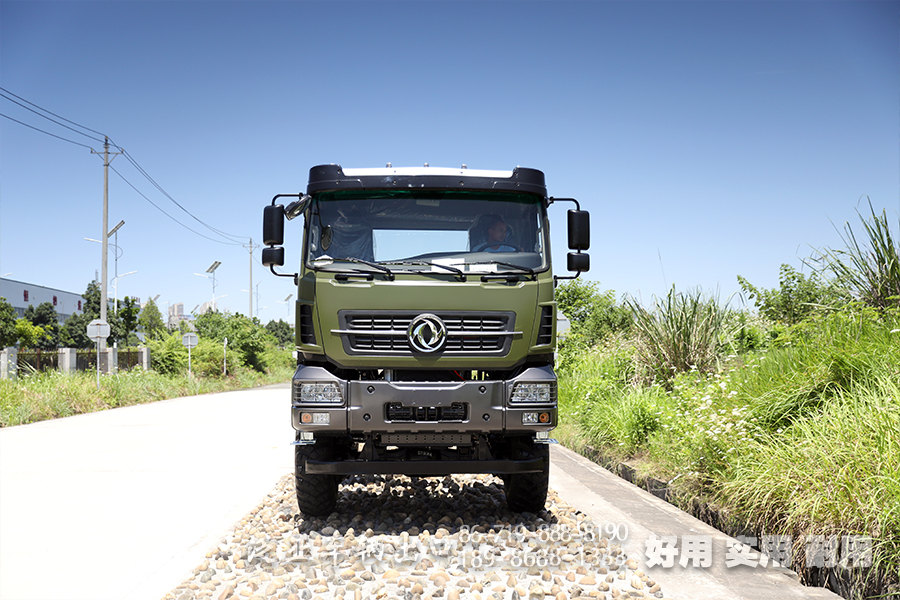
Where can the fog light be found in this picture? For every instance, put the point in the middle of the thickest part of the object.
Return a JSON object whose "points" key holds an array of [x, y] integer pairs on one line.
{"points": [[529, 418]]}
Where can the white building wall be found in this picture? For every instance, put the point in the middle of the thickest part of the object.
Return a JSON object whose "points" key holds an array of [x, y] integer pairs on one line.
{"points": [[22, 295]]}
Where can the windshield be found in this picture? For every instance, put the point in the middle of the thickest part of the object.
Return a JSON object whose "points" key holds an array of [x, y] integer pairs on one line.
{"points": [[477, 232]]}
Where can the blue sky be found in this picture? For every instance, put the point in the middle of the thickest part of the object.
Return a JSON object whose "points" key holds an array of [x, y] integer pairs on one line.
{"points": [[708, 140]]}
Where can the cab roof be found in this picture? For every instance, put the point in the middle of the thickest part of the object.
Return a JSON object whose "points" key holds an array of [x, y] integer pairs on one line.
{"points": [[335, 178]]}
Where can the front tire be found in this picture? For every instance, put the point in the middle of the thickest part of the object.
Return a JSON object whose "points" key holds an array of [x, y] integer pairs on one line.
{"points": [[527, 492], [316, 494]]}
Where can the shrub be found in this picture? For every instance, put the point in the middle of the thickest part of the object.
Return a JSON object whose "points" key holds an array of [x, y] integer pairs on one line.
{"points": [[246, 337], [167, 355], [796, 298]]}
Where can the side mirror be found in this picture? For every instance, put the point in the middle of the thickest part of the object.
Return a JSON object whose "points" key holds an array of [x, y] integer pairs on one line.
{"points": [[579, 230], [273, 257], [578, 262], [273, 225]]}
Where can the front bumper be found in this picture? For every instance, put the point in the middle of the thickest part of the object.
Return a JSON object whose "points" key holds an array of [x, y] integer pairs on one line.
{"points": [[377, 407]]}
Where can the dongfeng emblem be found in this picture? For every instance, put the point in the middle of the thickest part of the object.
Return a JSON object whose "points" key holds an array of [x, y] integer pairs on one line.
{"points": [[427, 333]]}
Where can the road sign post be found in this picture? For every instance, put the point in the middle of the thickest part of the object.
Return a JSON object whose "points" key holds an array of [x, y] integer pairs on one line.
{"points": [[98, 330], [189, 341]]}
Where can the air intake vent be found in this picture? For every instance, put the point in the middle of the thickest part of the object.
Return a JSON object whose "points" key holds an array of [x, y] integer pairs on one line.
{"points": [[545, 331], [305, 325]]}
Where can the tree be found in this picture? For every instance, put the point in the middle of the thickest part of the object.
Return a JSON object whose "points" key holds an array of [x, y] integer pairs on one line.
{"points": [[283, 333], [574, 299], [593, 315], [151, 321], [28, 334], [8, 335], [74, 331], [126, 321], [45, 317]]}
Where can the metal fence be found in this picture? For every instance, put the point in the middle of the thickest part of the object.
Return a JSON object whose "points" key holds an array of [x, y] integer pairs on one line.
{"points": [[15, 362], [86, 360], [38, 360], [128, 358]]}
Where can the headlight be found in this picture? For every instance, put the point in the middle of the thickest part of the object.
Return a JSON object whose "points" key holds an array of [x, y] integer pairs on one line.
{"points": [[533, 393], [317, 393]]}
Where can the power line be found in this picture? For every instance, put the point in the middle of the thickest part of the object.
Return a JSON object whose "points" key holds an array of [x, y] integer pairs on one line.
{"points": [[143, 172], [59, 137], [157, 207], [233, 240], [6, 94]]}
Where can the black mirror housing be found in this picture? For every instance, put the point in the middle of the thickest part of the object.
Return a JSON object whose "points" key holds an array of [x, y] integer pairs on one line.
{"points": [[579, 222], [273, 225], [273, 257], [578, 261]]}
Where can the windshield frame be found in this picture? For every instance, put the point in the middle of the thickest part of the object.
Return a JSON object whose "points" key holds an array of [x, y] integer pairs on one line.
{"points": [[531, 206]]}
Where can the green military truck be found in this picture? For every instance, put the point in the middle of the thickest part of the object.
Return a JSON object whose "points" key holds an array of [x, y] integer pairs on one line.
{"points": [[425, 326]]}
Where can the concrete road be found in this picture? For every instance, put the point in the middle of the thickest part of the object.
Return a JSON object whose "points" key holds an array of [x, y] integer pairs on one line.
{"points": [[125, 503]]}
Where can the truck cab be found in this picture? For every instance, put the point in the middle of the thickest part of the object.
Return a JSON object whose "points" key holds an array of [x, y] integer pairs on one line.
{"points": [[426, 325]]}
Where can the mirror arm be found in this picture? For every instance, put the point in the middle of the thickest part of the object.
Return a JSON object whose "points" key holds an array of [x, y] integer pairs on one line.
{"points": [[277, 196], [557, 278], [550, 201], [296, 276]]}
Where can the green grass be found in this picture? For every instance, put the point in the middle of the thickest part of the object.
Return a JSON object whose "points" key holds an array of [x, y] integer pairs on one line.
{"points": [[52, 395], [798, 440]]}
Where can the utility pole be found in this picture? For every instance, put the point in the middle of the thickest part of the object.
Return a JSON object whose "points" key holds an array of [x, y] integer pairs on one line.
{"points": [[250, 247], [104, 267]]}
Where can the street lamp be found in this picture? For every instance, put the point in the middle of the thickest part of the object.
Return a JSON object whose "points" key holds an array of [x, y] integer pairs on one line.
{"points": [[212, 275], [256, 290], [287, 302], [116, 287], [113, 232]]}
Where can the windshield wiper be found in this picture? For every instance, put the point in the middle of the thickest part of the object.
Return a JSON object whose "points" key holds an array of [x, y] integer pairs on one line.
{"points": [[527, 270], [424, 263], [390, 274]]}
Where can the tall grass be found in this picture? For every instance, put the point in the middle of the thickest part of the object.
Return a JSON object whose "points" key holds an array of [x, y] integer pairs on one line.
{"points": [[801, 439], [682, 332], [836, 472], [51, 394], [872, 270]]}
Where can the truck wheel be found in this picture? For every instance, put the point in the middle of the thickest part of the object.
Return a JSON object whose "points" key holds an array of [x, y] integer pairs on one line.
{"points": [[527, 492], [316, 494]]}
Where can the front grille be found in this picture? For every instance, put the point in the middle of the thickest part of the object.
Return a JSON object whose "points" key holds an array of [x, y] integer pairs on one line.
{"points": [[395, 411], [386, 333]]}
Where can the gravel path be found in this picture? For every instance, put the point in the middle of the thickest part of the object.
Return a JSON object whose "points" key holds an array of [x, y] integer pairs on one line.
{"points": [[446, 538]]}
